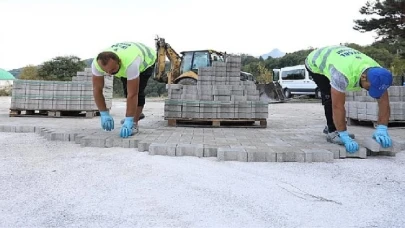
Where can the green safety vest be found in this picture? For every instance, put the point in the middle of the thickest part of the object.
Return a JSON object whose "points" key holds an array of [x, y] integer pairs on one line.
{"points": [[348, 61], [128, 52]]}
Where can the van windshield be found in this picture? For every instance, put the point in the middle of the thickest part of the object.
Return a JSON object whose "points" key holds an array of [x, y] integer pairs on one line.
{"points": [[298, 74]]}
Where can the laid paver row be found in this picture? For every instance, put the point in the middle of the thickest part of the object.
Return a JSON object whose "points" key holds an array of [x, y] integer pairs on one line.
{"points": [[271, 149]]}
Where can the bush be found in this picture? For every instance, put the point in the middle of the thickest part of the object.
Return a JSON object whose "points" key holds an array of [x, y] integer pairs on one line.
{"points": [[5, 91]]}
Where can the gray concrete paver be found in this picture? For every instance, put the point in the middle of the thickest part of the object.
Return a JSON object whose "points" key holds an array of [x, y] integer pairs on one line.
{"points": [[284, 139]]}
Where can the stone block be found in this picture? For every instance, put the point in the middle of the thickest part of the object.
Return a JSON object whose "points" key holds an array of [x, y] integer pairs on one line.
{"points": [[263, 154], [25, 129], [9, 128], [196, 150], [79, 138], [232, 154], [109, 141], [210, 151], [318, 155], [374, 147], [162, 149], [93, 141], [143, 146], [361, 153]]}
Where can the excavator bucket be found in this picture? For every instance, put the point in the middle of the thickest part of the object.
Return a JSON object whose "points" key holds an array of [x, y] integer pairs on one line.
{"points": [[271, 92]]}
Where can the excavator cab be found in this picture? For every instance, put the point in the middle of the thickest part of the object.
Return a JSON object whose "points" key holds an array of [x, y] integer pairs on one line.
{"points": [[193, 60]]}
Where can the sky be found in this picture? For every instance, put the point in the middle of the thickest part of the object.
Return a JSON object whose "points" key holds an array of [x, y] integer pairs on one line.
{"points": [[34, 31]]}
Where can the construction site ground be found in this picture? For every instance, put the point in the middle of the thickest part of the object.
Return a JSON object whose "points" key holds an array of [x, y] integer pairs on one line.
{"points": [[58, 183]]}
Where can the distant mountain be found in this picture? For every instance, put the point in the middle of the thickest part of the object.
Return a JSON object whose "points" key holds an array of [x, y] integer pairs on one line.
{"points": [[275, 53], [16, 72]]}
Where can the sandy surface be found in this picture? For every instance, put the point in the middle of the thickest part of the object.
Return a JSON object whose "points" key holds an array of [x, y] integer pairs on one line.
{"points": [[60, 184]]}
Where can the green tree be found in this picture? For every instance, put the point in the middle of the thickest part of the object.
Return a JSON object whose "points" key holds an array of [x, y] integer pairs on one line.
{"points": [[118, 88], [29, 72], [61, 68], [390, 21], [265, 75], [155, 88], [398, 66]]}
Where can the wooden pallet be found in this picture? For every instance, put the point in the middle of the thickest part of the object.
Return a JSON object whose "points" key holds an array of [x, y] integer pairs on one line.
{"points": [[53, 113], [358, 122], [191, 122]]}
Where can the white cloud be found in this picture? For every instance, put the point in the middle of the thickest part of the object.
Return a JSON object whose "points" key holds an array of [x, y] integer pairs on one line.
{"points": [[36, 31]]}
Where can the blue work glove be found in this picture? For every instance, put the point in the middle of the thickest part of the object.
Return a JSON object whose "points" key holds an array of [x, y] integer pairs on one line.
{"points": [[351, 145], [381, 136], [126, 129], [107, 122]]}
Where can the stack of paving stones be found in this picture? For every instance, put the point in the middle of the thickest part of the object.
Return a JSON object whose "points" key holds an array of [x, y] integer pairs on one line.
{"points": [[224, 144], [360, 106], [219, 94], [75, 95]]}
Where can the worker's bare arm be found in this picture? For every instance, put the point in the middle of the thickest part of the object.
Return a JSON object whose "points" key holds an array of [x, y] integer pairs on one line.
{"points": [[338, 107], [384, 110], [132, 98], [98, 85]]}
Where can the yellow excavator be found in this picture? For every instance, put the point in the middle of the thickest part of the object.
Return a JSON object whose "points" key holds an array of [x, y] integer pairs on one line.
{"points": [[183, 69]]}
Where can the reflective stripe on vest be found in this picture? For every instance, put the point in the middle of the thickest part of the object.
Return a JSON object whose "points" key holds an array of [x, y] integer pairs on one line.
{"points": [[148, 53]]}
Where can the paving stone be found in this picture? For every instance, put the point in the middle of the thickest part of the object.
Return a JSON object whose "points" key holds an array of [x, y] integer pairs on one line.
{"points": [[361, 153], [196, 150], [78, 139], [93, 141], [57, 136], [133, 143], [261, 154], [48, 134], [118, 142], [25, 129], [9, 128], [144, 146], [210, 151], [38, 129], [335, 149], [42, 131], [374, 146], [109, 142], [232, 154], [162, 149], [318, 155]]}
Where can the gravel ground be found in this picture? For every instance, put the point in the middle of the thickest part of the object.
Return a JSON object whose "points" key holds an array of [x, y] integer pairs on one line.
{"points": [[60, 184]]}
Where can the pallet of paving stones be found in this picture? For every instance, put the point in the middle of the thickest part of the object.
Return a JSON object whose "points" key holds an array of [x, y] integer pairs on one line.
{"points": [[365, 122], [58, 98], [361, 109], [229, 122], [54, 113]]}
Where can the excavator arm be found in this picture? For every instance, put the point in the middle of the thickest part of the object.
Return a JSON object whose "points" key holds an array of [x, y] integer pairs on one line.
{"points": [[165, 50]]}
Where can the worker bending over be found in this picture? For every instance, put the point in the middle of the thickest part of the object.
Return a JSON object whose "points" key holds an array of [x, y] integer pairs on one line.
{"points": [[133, 63], [337, 69]]}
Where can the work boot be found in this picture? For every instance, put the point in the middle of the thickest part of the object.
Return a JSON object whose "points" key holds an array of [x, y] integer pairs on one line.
{"points": [[333, 137], [135, 129], [140, 117], [326, 131]]}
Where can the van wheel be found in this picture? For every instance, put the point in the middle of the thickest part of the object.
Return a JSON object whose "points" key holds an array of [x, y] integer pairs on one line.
{"points": [[287, 93], [318, 94]]}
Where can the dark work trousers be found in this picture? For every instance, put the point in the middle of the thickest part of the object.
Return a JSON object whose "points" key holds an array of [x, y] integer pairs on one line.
{"points": [[323, 84], [143, 82]]}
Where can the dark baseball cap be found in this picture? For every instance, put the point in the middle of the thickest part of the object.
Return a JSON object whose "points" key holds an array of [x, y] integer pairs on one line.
{"points": [[380, 80]]}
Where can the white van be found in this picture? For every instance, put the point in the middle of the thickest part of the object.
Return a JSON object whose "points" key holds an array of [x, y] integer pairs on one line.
{"points": [[295, 80]]}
